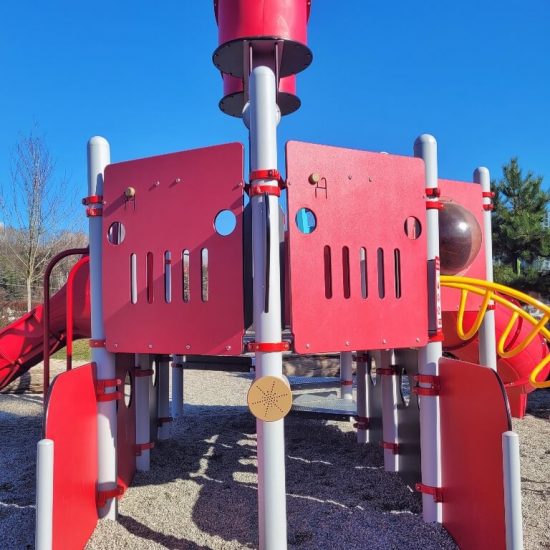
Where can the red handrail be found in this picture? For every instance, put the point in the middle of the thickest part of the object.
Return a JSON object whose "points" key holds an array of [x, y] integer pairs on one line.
{"points": [[46, 348], [70, 302]]}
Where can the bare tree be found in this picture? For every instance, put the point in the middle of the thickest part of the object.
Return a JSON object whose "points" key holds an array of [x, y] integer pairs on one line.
{"points": [[34, 208]]}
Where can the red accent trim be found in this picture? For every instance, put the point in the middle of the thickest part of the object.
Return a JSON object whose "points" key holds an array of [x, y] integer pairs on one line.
{"points": [[255, 190], [346, 383], [92, 199], [362, 423], [487, 194], [491, 307], [516, 383], [144, 447], [270, 174], [488, 207], [426, 379], [436, 492], [140, 373], [267, 347], [434, 205], [101, 389], [96, 343], [437, 337], [164, 420], [433, 192], [104, 496], [392, 370], [94, 212], [391, 446]]}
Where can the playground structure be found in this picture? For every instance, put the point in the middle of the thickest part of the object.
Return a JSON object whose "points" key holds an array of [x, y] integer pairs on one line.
{"points": [[380, 259]]}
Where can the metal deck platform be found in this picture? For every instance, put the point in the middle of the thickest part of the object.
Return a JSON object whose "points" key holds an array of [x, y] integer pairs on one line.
{"points": [[316, 405]]}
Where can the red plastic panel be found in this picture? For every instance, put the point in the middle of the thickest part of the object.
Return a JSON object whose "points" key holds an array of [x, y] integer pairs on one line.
{"points": [[474, 415], [126, 420], [469, 196], [71, 422], [363, 203], [177, 198]]}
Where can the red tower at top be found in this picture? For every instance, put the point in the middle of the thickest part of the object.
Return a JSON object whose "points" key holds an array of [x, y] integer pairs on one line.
{"points": [[252, 32]]}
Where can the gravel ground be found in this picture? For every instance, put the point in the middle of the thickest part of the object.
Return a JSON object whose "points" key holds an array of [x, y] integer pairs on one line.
{"points": [[201, 489]]}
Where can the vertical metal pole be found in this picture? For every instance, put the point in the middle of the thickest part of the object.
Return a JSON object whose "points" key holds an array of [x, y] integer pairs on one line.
{"points": [[362, 398], [263, 118], [44, 495], [487, 335], [163, 413], [98, 159], [143, 424], [346, 375], [512, 491], [389, 411], [425, 147], [177, 385]]}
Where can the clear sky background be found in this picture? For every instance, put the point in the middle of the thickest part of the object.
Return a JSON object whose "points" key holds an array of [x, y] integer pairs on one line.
{"points": [[474, 73]]}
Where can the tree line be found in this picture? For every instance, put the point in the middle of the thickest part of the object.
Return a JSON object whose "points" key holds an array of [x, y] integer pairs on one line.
{"points": [[521, 230], [38, 220]]}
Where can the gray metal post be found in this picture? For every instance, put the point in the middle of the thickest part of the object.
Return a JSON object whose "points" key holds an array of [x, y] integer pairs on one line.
{"points": [[512, 491], [425, 147], [263, 117], [390, 427], [143, 423], [44, 495], [163, 405], [362, 398], [98, 159], [346, 375], [177, 385], [487, 334]]}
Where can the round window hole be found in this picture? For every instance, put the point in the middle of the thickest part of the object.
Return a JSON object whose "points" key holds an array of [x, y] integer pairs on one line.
{"points": [[306, 220], [128, 389], [116, 233], [225, 223], [413, 228]]}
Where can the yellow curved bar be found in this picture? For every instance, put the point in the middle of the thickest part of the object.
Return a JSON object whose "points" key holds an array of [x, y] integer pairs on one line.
{"points": [[480, 314], [536, 371], [520, 347], [488, 291], [503, 301]]}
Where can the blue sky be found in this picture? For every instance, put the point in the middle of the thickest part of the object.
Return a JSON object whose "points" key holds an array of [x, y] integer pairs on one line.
{"points": [[476, 74]]}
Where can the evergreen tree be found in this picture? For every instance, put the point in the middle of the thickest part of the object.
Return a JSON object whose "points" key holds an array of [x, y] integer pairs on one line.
{"points": [[520, 232]]}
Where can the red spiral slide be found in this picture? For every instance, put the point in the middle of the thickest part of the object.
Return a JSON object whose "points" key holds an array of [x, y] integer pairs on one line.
{"points": [[514, 371], [22, 342]]}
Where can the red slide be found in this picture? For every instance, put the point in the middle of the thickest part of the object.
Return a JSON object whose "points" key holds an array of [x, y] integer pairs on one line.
{"points": [[515, 371], [22, 342]]}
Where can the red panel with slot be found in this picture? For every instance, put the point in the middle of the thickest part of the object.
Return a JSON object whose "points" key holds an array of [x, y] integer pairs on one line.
{"points": [[172, 283], [357, 249]]}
